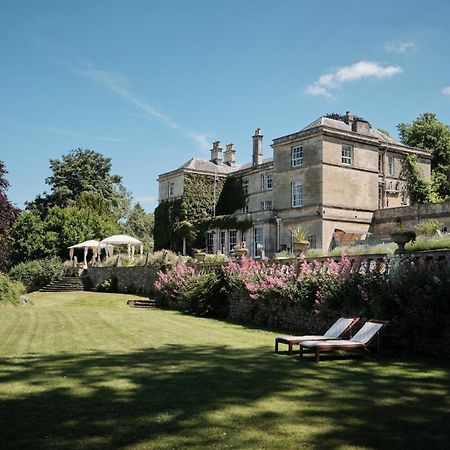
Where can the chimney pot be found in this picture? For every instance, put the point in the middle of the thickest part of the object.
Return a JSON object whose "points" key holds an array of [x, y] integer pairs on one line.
{"points": [[216, 153], [257, 148], [229, 156]]}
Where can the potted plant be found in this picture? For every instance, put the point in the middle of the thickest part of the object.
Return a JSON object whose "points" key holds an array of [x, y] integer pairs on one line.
{"points": [[300, 239], [199, 254], [284, 255], [402, 236], [241, 249]]}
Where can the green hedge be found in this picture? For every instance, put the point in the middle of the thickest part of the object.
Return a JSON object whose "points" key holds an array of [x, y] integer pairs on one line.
{"points": [[38, 273], [10, 290]]}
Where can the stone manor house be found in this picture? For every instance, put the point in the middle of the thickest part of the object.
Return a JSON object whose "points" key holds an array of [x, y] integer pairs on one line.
{"points": [[329, 178]]}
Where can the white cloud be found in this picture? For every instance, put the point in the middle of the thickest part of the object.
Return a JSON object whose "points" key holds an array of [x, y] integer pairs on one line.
{"points": [[358, 71], [446, 91], [117, 84], [400, 47]]}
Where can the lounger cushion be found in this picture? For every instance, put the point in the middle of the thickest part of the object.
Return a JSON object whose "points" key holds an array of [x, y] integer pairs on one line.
{"points": [[335, 343], [338, 328], [333, 333], [367, 332], [296, 339]]}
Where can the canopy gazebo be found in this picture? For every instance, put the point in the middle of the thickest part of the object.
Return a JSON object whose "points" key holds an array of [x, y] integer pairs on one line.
{"points": [[123, 239], [94, 245]]}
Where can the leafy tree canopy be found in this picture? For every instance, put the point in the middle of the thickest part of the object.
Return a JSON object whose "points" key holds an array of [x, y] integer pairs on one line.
{"points": [[80, 171], [32, 237], [8, 215], [140, 224], [426, 132]]}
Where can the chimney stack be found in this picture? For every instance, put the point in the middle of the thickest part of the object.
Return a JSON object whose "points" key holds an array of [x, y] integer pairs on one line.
{"points": [[229, 156], [216, 153], [349, 119], [257, 148]]}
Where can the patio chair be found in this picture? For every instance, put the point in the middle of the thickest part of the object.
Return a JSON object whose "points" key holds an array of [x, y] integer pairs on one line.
{"points": [[360, 341], [338, 329]]}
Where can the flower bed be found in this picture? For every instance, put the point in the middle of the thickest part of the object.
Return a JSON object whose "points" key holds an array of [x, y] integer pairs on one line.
{"points": [[306, 297]]}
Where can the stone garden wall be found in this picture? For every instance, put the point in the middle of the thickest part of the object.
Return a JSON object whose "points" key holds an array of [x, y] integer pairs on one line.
{"points": [[137, 280], [385, 220]]}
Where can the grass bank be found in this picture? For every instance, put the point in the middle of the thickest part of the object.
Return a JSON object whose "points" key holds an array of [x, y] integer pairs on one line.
{"points": [[83, 370]]}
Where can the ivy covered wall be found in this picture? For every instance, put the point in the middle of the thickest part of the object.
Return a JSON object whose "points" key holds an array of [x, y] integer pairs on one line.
{"points": [[197, 206]]}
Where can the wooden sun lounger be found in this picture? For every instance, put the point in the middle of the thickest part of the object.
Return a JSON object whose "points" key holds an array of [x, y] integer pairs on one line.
{"points": [[360, 341], [337, 330]]}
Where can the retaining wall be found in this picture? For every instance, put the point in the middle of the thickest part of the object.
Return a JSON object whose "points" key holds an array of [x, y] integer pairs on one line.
{"points": [[137, 280], [385, 220]]}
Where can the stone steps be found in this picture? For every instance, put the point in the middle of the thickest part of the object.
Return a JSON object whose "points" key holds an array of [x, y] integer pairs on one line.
{"points": [[67, 284], [143, 303]]}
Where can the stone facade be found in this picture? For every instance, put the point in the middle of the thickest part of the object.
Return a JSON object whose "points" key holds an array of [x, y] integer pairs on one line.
{"points": [[329, 177]]}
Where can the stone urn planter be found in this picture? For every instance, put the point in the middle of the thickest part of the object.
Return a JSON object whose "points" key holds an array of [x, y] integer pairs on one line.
{"points": [[199, 256], [241, 251], [401, 238], [301, 247]]}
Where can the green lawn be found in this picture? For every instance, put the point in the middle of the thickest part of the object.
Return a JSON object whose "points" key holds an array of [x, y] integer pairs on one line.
{"points": [[86, 371]]}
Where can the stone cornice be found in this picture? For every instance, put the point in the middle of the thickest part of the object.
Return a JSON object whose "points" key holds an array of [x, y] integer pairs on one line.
{"points": [[351, 136]]}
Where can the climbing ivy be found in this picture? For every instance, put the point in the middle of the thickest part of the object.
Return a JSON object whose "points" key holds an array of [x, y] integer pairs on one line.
{"points": [[419, 190], [199, 196], [228, 222], [166, 215], [200, 201], [232, 196]]}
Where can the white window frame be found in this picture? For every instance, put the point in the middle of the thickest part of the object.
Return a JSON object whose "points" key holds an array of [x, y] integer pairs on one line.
{"points": [[258, 238], [269, 181], [347, 154], [266, 181], [210, 242], [245, 186], [380, 163], [171, 189], [297, 194], [297, 156], [390, 165], [232, 240], [222, 241], [266, 205]]}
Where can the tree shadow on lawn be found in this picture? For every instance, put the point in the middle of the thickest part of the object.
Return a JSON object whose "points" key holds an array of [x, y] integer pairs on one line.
{"points": [[201, 396]]}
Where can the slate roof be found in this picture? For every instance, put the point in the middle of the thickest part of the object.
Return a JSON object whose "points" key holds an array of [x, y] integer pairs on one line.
{"points": [[342, 126], [204, 165]]}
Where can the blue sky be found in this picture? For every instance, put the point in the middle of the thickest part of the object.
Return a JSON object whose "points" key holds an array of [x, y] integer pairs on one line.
{"points": [[151, 84]]}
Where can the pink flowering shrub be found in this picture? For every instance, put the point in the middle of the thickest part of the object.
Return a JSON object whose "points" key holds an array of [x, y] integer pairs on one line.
{"points": [[170, 283], [199, 294], [261, 280]]}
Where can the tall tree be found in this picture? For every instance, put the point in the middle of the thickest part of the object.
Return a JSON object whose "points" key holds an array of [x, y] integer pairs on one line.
{"points": [[80, 171], [28, 239], [428, 133], [140, 225], [8, 215], [33, 238]]}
